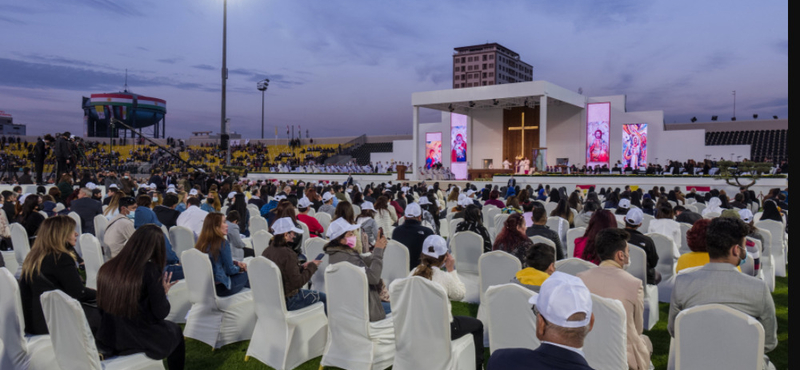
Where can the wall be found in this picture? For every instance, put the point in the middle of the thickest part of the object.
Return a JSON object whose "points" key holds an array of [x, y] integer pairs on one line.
{"points": [[486, 138], [565, 133], [402, 151], [424, 128]]}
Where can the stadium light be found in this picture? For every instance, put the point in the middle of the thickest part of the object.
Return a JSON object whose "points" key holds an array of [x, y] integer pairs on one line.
{"points": [[774, 117], [262, 86], [694, 119], [755, 116], [713, 118]]}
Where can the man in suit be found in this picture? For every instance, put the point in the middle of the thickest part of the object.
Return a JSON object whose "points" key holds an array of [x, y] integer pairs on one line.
{"points": [[87, 208], [720, 282], [610, 280], [512, 182], [564, 317]]}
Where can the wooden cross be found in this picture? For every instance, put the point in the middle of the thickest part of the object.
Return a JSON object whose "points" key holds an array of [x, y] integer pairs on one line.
{"points": [[523, 128]]}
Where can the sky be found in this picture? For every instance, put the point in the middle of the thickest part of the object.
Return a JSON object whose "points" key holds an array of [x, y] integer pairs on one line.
{"points": [[341, 68]]}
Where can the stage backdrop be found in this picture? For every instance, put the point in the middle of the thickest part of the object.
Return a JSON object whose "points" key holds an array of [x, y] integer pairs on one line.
{"points": [[433, 149], [634, 145], [598, 117], [458, 146]]}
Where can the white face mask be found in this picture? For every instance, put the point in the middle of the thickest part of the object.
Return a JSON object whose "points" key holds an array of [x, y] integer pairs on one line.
{"points": [[628, 263]]}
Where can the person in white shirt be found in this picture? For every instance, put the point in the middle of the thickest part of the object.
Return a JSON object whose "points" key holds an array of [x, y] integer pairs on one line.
{"points": [[434, 256], [193, 217], [664, 224], [506, 164]]}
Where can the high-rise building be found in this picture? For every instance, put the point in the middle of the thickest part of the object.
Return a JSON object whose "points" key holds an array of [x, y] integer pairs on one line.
{"points": [[488, 64]]}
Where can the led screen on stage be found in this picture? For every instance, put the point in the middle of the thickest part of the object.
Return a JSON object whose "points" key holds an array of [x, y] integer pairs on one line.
{"points": [[598, 118], [433, 149], [458, 146], [634, 145]]}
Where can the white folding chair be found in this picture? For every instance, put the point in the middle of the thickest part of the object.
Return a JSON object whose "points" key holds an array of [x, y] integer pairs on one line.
{"points": [[467, 248], [488, 214], [777, 246], [511, 322], [396, 262], [253, 210], [100, 224], [646, 222], [306, 233], [312, 248], [573, 234], [606, 345], [21, 351], [715, 336], [354, 342], [260, 240], [213, 320], [452, 225], [638, 268], [573, 266], [92, 258], [181, 238], [499, 222], [700, 207], [421, 318], [73, 342], [495, 268], [549, 207], [561, 226], [767, 260], [22, 246], [282, 339], [258, 223], [324, 219], [684, 244], [665, 247], [78, 229], [540, 239]]}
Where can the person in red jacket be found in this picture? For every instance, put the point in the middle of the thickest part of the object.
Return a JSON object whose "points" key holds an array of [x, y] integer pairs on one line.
{"points": [[314, 227]]}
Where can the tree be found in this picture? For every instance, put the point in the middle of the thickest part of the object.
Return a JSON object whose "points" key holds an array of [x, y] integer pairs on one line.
{"points": [[732, 172]]}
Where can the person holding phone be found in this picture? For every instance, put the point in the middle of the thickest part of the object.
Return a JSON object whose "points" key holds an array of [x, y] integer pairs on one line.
{"points": [[294, 276], [341, 248]]}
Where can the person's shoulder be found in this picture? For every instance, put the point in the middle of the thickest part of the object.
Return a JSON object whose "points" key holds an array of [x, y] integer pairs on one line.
{"points": [[512, 358]]}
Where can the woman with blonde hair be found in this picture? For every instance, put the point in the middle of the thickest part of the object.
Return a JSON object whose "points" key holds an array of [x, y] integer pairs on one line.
{"points": [[230, 276], [212, 203], [113, 206], [51, 264]]}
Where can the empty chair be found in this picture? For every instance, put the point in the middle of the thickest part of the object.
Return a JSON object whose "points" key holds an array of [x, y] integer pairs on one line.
{"points": [[324, 219], [467, 248], [179, 304], [499, 221], [646, 222], [511, 322], [573, 234], [665, 248], [638, 268], [396, 261], [73, 341], [777, 246], [606, 345], [21, 351], [100, 224], [488, 215], [92, 258], [452, 227], [260, 240], [573, 266], [355, 342], [22, 246], [684, 244], [253, 210], [181, 238], [421, 318], [213, 320], [715, 336], [282, 339], [495, 268], [258, 223], [550, 206], [767, 260]]}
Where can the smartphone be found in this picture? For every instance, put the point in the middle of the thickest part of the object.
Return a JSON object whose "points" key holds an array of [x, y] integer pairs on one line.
{"points": [[380, 233], [319, 257]]}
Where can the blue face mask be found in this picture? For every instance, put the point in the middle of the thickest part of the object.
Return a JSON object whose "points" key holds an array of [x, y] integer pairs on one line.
{"points": [[335, 201], [131, 216], [744, 253]]}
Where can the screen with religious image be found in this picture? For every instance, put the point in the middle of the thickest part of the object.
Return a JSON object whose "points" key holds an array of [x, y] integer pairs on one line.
{"points": [[634, 145], [458, 146], [598, 118], [433, 149]]}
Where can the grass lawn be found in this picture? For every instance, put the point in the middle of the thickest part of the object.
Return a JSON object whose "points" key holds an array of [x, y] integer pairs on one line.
{"points": [[200, 356]]}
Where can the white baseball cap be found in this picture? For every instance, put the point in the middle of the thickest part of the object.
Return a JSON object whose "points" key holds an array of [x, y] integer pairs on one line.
{"points": [[285, 225], [231, 195], [624, 203], [561, 296], [326, 197], [91, 186], [423, 201], [413, 210], [463, 200], [746, 215], [193, 192], [172, 190], [113, 186], [303, 203], [152, 186], [367, 205], [434, 246], [470, 192], [280, 197], [635, 216], [339, 227]]}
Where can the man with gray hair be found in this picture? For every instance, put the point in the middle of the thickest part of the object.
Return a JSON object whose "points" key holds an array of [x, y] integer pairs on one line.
{"points": [[86, 208]]}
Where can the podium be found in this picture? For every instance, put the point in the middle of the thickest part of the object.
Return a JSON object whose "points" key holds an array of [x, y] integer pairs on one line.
{"points": [[401, 172]]}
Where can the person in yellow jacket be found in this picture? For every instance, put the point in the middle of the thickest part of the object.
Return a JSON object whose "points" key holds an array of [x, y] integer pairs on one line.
{"points": [[540, 264]]}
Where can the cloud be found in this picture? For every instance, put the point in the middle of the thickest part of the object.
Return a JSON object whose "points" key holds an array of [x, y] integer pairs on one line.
{"points": [[438, 73], [116, 7], [11, 20], [204, 67], [170, 60], [716, 61], [623, 83]]}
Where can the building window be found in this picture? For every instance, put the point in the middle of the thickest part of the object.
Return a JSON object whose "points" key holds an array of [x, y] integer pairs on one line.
{"points": [[491, 82], [462, 84], [462, 68], [463, 77], [462, 61], [469, 68], [491, 65], [491, 74], [491, 57], [484, 74], [484, 57], [484, 83], [484, 65]]}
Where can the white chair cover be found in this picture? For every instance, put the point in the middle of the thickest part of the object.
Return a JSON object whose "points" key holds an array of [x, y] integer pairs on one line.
{"points": [[254, 211], [540, 239], [21, 351], [777, 246], [646, 222], [282, 339], [354, 343], [638, 268], [306, 233], [561, 226], [700, 207], [22, 246], [665, 247], [511, 322], [488, 215], [467, 248], [573, 234], [100, 225], [550, 206], [257, 223], [452, 225], [684, 244], [606, 345], [260, 240], [396, 261], [179, 304], [422, 328], [767, 260], [324, 219], [717, 337], [213, 320], [11, 262], [92, 258], [573, 266], [499, 222], [73, 341], [312, 248], [181, 238], [495, 268], [78, 229]]}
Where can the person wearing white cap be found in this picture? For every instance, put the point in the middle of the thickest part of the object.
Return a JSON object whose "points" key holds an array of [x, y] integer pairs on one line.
{"points": [[633, 220], [610, 280], [304, 206], [433, 257], [412, 233], [564, 318], [341, 248], [327, 206], [293, 275], [623, 207], [367, 221], [747, 216]]}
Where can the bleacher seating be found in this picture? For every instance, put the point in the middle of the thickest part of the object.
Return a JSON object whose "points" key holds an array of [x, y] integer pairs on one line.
{"points": [[361, 153], [764, 144]]}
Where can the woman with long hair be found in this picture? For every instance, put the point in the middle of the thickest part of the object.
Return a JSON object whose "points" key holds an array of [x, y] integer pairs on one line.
{"points": [[574, 201], [473, 221], [430, 212], [230, 276], [240, 205], [29, 216], [113, 206], [385, 216], [344, 210], [454, 193], [367, 221], [294, 275], [564, 211], [771, 212], [584, 246], [51, 264], [65, 187], [132, 293], [612, 200], [512, 238], [555, 195], [493, 200], [433, 258], [212, 203]]}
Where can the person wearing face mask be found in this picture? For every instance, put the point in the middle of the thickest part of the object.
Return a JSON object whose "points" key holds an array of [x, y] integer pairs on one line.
{"points": [[294, 275], [121, 227], [610, 280], [719, 282], [341, 248]]}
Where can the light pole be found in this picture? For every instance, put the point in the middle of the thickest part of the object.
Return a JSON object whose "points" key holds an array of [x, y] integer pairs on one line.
{"points": [[262, 86], [224, 77]]}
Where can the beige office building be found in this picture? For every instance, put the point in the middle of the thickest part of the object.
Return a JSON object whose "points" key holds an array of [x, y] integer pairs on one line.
{"points": [[488, 64]]}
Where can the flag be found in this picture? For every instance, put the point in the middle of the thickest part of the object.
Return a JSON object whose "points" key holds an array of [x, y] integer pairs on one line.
{"points": [[100, 111], [124, 115], [276, 131]]}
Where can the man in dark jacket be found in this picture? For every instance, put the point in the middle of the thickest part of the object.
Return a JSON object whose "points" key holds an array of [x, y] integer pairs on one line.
{"points": [[539, 228], [63, 154], [39, 154], [632, 222], [412, 234], [86, 208], [166, 213]]}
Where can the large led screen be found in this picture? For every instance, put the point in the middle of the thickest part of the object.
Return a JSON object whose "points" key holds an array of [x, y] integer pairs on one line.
{"points": [[634, 145], [433, 149], [598, 118], [458, 146]]}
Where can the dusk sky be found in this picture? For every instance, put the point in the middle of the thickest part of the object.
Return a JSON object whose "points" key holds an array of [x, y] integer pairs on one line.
{"points": [[350, 67]]}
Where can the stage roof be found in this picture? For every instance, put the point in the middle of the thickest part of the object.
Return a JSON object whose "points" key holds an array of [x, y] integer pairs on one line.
{"points": [[506, 96]]}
